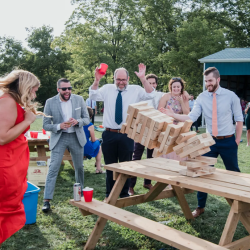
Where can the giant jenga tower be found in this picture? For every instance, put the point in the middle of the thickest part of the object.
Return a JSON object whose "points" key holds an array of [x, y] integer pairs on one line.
{"points": [[154, 129]]}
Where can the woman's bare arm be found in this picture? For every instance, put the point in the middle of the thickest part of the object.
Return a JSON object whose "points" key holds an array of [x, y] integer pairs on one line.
{"points": [[163, 101], [92, 133]]}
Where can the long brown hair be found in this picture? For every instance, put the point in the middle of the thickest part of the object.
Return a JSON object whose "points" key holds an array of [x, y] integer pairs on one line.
{"points": [[19, 84]]}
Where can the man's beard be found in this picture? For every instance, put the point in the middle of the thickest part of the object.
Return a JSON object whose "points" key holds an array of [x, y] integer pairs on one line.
{"points": [[122, 88], [62, 96], [214, 87]]}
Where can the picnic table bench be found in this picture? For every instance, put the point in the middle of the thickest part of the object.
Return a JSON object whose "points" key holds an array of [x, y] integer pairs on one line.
{"points": [[233, 186]]}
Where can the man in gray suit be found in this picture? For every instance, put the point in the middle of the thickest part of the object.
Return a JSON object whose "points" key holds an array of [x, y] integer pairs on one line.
{"points": [[67, 114]]}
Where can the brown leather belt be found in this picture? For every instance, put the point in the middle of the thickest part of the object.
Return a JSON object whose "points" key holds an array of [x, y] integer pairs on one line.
{"points": [[113, 130], [222, 137]]}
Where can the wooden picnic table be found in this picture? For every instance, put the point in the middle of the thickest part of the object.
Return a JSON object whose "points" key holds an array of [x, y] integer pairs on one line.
{"points": [[235, 187], [41, 146]]}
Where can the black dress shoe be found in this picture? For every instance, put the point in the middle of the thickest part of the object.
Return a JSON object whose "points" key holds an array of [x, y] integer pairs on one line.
{"points": [[46, 207]]}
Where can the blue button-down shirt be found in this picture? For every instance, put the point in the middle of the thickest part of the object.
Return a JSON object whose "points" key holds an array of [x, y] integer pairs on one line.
{"points": [[228, 105]]}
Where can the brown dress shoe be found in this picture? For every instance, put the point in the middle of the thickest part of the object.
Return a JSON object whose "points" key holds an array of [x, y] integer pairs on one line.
{"points": [[131, 191], [198, 211], [148, 186]]}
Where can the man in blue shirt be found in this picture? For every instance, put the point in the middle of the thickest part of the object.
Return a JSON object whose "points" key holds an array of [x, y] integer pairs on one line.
{"points": [[218, 105]]}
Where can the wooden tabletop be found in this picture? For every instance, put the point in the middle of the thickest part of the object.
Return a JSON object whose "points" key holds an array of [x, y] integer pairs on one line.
{"points": [[41, 137], [223, 183]]}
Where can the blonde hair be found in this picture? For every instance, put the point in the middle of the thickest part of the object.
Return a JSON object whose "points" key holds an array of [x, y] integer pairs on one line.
{"points": [[19, 84]]}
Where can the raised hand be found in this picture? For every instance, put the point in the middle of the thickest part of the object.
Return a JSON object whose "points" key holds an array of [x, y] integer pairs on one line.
{"points": [[98, 76], [142, 71]]}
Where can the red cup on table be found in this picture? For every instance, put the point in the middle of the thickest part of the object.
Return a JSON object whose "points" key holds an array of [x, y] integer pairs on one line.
{"points": [[33, 134], [44, 131], [88, 194], [103, 68]]}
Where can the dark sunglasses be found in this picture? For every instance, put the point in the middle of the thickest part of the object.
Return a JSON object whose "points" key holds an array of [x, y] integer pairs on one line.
{"points": [[176, 78], [64, 89]]}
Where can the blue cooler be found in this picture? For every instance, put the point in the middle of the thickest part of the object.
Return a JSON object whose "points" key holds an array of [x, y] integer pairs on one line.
{"points": [[30, 200]]}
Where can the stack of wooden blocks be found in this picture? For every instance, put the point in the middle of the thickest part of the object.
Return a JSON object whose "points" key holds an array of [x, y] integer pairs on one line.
{"points": [[154, 129]]}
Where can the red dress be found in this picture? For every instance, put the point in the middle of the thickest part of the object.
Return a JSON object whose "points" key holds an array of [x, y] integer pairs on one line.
{"points": [[14, 162]]}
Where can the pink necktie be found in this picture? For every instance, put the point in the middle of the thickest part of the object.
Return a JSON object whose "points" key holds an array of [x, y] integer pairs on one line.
{"points": [[214, 117]]}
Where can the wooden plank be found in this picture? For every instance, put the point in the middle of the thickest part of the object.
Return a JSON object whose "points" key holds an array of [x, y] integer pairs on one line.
{"points": [[168, 149], [138, 199], [185, 136], [193, 174], [154, 118], [204, 168], [152, 144], [176, 129], [137, 136], [123, 128], [134, 105], [230, 227], [242, 244], [161, 136], [133, 123], [187, 125], [183, 203], [129, 119], [166, 134], [162, 123], [156, 153], [193, 164], [146, 131], [138, 130], [239, 207], [143, 140], [149, 133], [208, 160], [101, 222], [143, 108], [130, 133], [155, 135], [171, 140], [144, 226], [199, 152]]}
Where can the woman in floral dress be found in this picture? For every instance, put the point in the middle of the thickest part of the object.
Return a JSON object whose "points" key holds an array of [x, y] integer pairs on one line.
{"points": [[178, 102]]}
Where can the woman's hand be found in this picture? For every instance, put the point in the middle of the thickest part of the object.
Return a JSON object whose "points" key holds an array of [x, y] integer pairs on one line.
{"points": [[169, 111], [179, 98], [29, 116]]}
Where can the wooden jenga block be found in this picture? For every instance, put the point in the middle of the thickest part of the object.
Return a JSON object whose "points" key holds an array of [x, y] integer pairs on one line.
{"points": [[199, 152], [195, 149], [133, 123], [143, 140], [137, 136], [160, 138], [195, 143], [162, 122], [156, 153], [166, 134], [138, 130], [152, 144], [185, 136], [192, 164], [154, 118], [187, 125], [129, 119], [205, 159], [204, 168], [123, 128], [151, 128], [142, 108], [155, 135], [171, 140], [201, 137], [138, 104], [130, 133], [146, 131], [176, 129], [194, 173], [168, 149]]}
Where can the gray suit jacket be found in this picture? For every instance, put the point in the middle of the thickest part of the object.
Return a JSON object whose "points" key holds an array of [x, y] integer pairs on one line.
{"points": [[79, 112]]}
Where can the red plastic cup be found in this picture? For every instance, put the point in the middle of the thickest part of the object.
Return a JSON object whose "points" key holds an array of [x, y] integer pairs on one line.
{"points": [[44, 131], [88, 194], [103, 68], [33, 134]]}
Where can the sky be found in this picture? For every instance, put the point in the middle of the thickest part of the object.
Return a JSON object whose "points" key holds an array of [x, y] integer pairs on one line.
{"points": [[16, 15]]}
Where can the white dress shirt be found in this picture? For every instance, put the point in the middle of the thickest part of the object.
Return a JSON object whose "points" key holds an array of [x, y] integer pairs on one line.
{"points": [[228, 105], [67, 114], [108, 94], [155, 101], [91, 103]]}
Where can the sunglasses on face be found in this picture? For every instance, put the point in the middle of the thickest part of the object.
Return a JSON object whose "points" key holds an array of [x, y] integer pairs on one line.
{"points": [[64, 89], [176, 78]]}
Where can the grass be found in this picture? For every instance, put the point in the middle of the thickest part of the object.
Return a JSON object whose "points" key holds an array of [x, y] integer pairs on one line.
{"points": [[65, 228]]}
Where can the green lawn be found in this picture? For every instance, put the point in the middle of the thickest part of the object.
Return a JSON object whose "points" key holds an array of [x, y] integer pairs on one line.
{"points": [[65, 228]]}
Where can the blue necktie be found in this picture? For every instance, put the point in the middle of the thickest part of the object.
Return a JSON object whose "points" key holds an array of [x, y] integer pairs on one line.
{"points": [[118, 108]]}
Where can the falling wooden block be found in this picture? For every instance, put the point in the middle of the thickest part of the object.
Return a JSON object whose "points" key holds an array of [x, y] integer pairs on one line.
{"points": [[123, 128], [155, 135], [185, 136], [205, 159], [171, 140], [138, 130], [146, 131], [152, 144], [160, 138], [133, 123], [162, 122], [197, 173], [143, 140], [130, 133], [204, 168], [168, 149], [187, 125], [138, 104], [199, 152], [154, 118], [137, 136], [151, 128], [156, 153], [129, 119], [142, 108], [176, 129], [192, 164], [166, 134]]}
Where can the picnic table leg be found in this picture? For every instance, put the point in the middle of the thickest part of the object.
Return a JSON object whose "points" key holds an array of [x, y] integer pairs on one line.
{"points": [[154, 191], [101, 222], [230, 227], [41, 151], [183, 202]]}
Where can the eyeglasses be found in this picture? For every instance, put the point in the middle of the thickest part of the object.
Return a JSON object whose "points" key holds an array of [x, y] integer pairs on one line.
{"points": [[176, 78], [121, 80], [64, 89]]}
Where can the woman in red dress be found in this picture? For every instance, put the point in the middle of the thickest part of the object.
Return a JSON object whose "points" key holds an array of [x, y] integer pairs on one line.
{"points": [[17, 112]]}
